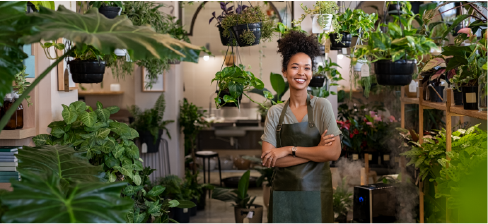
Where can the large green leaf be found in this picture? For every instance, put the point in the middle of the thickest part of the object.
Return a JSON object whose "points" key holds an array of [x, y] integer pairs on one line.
{"points": [[243, 185], [69, 114], [62, 161], [277, 82], [45, 200], [106, 35]]}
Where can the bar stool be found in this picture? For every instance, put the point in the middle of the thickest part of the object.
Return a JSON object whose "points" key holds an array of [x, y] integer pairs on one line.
{"points": [[208, 155]]}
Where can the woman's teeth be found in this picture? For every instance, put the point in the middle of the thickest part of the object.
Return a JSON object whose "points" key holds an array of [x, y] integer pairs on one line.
{"points": [[300, 81]]}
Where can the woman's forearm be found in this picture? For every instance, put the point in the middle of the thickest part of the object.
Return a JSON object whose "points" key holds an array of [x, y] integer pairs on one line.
{"points": [[320, 153], [288, 161]]}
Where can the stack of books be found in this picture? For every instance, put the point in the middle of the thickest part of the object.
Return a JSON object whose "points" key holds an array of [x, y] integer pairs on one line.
{"points": [[8, 163]]}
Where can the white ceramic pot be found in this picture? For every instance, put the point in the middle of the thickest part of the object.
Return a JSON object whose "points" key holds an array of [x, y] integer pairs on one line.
{"points": [[120, 52], [316, 28], [359, 64]]}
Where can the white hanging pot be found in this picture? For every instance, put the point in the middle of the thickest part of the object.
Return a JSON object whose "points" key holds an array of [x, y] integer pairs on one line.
{"points": [[321, 23], [436, 50], [120, 52], [359, 64]]}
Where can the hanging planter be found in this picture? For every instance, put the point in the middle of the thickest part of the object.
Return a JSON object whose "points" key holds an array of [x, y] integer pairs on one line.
{"points": [[470, 97], [394, 8], [89, 71], [398, 73], [248, 34], [226, 41], [359, 64], [222, 95], [317, 81], [344, 43], [321, 23], [109, 11]]}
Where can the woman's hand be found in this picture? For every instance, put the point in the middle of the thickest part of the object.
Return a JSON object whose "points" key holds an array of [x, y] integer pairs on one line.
{"points": [[326, 140], [269, 157]]}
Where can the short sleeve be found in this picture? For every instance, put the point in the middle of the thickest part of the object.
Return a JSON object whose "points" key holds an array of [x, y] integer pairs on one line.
{"points": [[328, 118], [270, 125]]}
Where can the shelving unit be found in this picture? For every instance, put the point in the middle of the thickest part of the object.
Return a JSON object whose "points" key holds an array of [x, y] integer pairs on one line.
{"points": [[104, 93], [29, 129], [451, 111]]}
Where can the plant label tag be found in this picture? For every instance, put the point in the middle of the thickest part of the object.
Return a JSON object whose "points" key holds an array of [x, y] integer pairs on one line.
{"points": [[355, 157], [470, 97], [344, 51], [370, 157], [185, 210], [250, 215], [365, 70], [144, 148], [397, 159], [412, 87], [386, 157]]}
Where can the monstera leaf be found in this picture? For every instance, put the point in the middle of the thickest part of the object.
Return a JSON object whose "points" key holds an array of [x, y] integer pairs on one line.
{"points": [[62, 161], [46, 200], [107, 34]]}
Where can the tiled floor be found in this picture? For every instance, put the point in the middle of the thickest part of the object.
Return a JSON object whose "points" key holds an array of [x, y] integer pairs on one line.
{"points": [[223, 212]]}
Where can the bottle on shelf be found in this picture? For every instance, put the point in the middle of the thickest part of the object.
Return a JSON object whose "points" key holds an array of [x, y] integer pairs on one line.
{"points": [[12, 123], [20, 113]]}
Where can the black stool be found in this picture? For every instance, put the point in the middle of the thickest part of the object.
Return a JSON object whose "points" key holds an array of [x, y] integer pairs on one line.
{"points": [[208, 157]]}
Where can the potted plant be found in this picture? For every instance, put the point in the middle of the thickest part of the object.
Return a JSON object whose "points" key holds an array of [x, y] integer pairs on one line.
{"points": [[342, 202], [396, 52], [323, 16], [150, 124], [279, 85], [352, 23], [232, 82], [243, 203], [109, 9], [328, 71], [266, 175], [249, 25], [177, 189], [226, 38], [197, 191]]}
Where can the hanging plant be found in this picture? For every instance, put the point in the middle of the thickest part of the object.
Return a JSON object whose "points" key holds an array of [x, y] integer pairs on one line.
{"points": [[352, 23], [323, 14], [227, 40], [249, 24], [109, 9]]}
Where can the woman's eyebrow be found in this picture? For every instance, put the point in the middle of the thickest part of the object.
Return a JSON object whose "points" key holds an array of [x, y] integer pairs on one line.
{"points": [[299, 64]]}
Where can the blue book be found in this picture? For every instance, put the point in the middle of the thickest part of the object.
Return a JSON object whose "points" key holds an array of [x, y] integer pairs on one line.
{"points": [[8, 153], [9, 160], [9, 173], [8, 148], [7, 157]]}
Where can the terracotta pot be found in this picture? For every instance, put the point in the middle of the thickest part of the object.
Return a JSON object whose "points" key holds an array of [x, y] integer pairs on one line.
{"points": [[266, 193], [242, 164], [241, 213]]}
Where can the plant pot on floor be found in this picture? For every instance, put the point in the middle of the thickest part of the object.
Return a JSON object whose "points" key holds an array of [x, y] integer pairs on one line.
{"points": [[398, 73], [222, 102], [201, 202], [227, 41], [317, 81], [193, 211], [109, 11], [458, 97], [241, 213], [266, 193], [341, 219], [181, 215], [145, 137], [255, 28], [345, 42], [433, 95], [89, 71], [470, 97]]}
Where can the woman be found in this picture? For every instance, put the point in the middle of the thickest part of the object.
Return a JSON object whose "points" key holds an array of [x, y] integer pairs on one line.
{"points": [[294, 145]]}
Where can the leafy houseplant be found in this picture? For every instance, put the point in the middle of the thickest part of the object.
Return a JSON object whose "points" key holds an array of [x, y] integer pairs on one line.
{"points": [[279, 85], [326, 71], [177, 189], [342, 201], [90, 29], [192, 122], [232, 82], [150, 123], [109, 9], [352, 23], [249, 24], [21, 84], [325, 11], [226, 11]]}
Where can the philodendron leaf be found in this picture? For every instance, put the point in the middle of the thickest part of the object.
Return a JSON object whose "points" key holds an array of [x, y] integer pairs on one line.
{"points": [[62, 161], [103, 114], [106, 35], [78, 106], [173, 203], [45, 200], [113, 109], [69, 115], [186, 204], [156, 191], [277, 82], [42, 139], [88, 118]]}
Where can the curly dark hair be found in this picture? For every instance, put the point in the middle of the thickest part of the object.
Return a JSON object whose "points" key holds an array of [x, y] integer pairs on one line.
{"points": [[295, 42]]}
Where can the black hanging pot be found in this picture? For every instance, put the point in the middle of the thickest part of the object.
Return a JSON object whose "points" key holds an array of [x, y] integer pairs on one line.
{"points": [[109, 11], [398, 73], [148, 138], [317, 81], [415, 6], [181, 215], [344, 43], [89, 71], [394, 8], [433, 95], [30, 8], [221, 96], [255, 28], [226, 41], [470, 97], [458, 97]]}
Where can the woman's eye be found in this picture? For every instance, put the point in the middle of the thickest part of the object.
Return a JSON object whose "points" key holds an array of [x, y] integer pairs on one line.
{"points": [[307, 68]]}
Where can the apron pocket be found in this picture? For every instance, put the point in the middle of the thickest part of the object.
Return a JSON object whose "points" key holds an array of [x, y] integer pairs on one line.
{"points": [[297, 207]]}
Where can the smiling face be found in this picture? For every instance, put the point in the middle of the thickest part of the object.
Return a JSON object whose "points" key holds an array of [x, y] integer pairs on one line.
{"points": [[299, 71]]}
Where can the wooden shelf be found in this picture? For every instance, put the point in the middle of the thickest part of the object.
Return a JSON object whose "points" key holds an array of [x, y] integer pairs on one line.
{"points": [[433, 105], [407, 100], [18, 133], [96, 93], [472, 113]]}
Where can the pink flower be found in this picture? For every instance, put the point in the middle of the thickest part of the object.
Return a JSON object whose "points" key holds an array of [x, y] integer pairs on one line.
{"points": [[369, 123], [392, 119], [372, 113], [466, 31], [377, 118]]}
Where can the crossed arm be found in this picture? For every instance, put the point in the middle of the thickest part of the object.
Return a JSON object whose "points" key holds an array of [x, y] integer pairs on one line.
{"points": [[329, 149]]}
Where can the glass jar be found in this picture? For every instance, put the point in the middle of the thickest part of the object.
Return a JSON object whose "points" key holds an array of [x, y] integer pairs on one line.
{"points": [[482, 93]]}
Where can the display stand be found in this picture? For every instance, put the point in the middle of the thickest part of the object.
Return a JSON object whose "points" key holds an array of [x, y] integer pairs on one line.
{"points": [[451, 111]]}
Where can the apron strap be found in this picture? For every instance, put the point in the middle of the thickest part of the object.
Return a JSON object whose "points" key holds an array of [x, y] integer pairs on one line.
{"points": [[280, 123], [311, 124]]}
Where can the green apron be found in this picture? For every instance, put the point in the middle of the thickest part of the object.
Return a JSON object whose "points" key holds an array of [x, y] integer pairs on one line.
{"points": [[301, 193]]}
